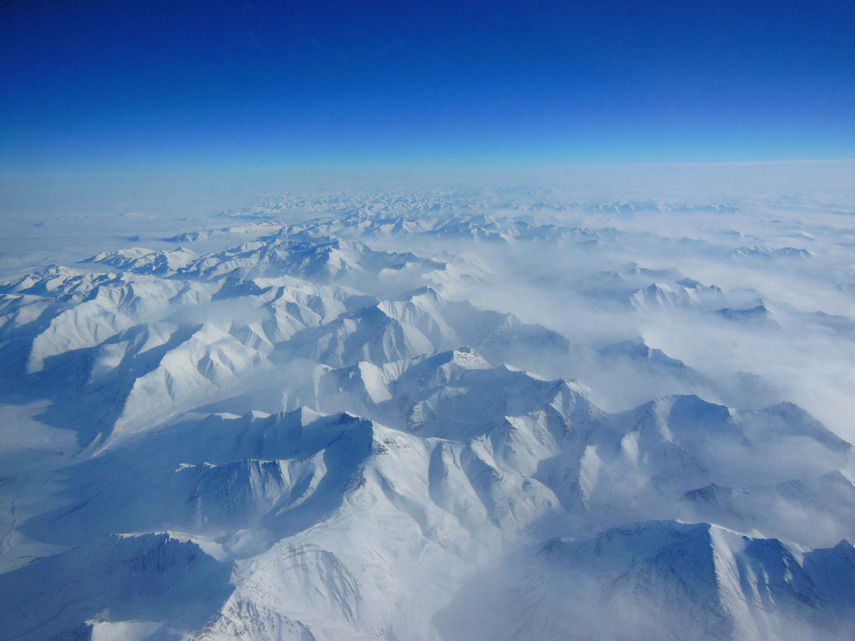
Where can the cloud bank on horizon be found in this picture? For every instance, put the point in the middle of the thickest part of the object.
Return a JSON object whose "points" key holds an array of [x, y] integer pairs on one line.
{"points": [[100, 84]]}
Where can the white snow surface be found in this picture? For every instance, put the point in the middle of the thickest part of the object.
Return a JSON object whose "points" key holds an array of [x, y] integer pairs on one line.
{"points": [[501, 415]]}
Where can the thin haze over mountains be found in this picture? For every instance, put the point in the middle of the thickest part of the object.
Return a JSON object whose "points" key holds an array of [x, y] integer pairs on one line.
{"points": [[440, 414]]}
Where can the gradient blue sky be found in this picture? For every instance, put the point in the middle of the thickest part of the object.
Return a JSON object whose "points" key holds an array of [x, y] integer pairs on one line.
{"points": [[146, 83]]}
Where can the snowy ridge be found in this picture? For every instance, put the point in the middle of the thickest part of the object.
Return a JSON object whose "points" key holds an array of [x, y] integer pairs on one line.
{"points": [[627, 583], [314, 436]]}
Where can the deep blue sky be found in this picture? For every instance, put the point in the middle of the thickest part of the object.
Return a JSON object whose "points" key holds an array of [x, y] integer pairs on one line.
{"points": [[147, 83]]}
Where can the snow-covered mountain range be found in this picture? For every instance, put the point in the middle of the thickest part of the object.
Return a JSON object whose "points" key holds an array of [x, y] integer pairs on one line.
{"points": [[334, 427]]}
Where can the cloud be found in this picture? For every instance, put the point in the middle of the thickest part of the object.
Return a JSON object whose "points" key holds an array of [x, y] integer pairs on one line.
{"points": [[244, 367]]}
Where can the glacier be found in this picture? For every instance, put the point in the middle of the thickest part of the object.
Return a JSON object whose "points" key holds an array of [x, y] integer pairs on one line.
{"points": [[454, 415]]}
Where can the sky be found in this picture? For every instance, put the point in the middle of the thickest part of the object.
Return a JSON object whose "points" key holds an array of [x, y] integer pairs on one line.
{"points": [[142, 84]]}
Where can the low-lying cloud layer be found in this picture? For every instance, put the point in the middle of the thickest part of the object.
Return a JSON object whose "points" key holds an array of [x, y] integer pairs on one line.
{"points": [[506, 413]]}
